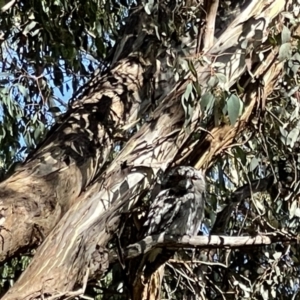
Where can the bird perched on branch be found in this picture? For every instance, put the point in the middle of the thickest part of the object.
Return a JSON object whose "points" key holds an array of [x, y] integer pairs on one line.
{"points": [[177, 210]]}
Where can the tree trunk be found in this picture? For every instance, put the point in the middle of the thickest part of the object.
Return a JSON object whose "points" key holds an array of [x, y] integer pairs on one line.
{"points": [[39, 193], [76, 248]]}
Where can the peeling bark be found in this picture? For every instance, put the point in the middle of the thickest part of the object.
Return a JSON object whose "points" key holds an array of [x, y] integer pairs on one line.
{"points": [[51, 179], [85, 227], [38, 194]]}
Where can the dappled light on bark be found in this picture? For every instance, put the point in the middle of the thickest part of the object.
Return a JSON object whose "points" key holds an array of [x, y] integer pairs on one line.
{"points": [[75, 200]]}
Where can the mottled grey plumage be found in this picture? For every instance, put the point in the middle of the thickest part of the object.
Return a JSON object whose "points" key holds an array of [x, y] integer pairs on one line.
{"points": [[178, 209]]}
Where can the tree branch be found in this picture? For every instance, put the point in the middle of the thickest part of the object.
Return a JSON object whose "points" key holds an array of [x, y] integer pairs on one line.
{"points": [[211, 13], [214, 241]]}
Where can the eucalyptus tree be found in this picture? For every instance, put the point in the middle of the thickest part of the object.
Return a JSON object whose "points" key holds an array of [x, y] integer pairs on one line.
{"points": [[212, 85]]}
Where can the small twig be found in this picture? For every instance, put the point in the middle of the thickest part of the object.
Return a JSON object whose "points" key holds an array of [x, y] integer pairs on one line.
{"points": [[189, 279], [216, 287], [207, 263], [177, 282]]}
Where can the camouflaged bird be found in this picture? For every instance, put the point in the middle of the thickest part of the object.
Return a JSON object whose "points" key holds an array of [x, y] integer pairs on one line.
{"points": [[177, 210]]}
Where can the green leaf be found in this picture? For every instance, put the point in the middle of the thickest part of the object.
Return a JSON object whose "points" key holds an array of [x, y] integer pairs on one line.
{"points": [[176, 77], [188, 110], [283, 132], [188, 90], [253, 164], [213, 81], [192, 68], [207, 101], [284, 52], [187, 103], [234, 108], [33, 120], [293, 208], [285, 35], [23, 91], [28, 139], [197, 88], [37, 134], [9, 105], [221, 77]]}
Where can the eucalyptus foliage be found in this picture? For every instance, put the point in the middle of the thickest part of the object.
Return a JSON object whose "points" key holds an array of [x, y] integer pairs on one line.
{"points": [[48, 50]]}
